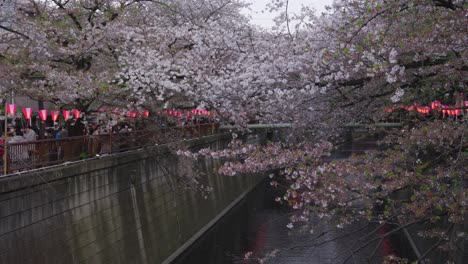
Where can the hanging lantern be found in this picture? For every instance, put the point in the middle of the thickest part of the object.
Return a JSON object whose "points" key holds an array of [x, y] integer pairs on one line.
{"points": [[27, 113], [436, 105], [423, 109], [76, 113], [43, 115], [55, 115], [11, 109], [66, 114], [146, 112], [132, 114]]}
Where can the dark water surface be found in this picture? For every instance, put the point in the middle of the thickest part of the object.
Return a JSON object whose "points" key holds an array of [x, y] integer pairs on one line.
{"points": [[258, 225]]}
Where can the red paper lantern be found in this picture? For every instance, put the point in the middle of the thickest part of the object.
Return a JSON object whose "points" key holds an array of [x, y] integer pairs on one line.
{"points": [[146, 113], [66, 114], [27, 112], [132, 114], [76, 113], [435, 104], [43, 115], [11, 109], [55, 115]]}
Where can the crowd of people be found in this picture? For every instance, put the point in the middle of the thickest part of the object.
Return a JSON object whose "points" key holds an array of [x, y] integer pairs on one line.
{"points": [[32, 147], [19, 135], [23, 155]]}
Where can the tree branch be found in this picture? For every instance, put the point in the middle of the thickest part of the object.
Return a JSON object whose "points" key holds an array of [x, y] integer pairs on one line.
{"points": [[14, 31], [424, 255], [69, 14]]}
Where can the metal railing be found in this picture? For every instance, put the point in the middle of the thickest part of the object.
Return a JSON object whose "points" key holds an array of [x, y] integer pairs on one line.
{"points": [[42, 153]]}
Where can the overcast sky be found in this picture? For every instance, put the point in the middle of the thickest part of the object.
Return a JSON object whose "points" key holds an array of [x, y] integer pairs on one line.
{"points": [[266, 19]]}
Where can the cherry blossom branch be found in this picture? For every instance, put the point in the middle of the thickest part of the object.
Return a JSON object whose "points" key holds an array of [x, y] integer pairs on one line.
{"points": [[329, 240], [13, 31], [69, 13], [434, 246], [383, 236]]}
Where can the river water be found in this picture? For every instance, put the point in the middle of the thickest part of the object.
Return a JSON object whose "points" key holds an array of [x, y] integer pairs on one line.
{"points": [[257, 227]]}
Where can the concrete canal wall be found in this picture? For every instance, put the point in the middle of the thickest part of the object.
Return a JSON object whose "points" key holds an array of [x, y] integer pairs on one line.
{"points": [[126, 208]]}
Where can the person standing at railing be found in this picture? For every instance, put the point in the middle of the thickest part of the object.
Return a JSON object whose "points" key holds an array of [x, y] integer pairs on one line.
{"points": [[18, 152], [66, 145], [102, 141], [49, 134], [30, 136], [64, 132], [17, 137], [58, 136]]}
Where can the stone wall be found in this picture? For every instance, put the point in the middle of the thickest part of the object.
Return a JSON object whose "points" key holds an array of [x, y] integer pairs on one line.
{"points": [[131, 207]]}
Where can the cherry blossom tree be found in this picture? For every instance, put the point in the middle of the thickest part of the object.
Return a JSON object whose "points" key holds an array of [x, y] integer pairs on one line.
{"points": [[346, 66], [66, 51], [316, 72]]}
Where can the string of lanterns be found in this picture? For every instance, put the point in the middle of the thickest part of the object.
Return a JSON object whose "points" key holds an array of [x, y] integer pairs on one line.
{"points": [[43, 113], [435, 106], [188, 114]]}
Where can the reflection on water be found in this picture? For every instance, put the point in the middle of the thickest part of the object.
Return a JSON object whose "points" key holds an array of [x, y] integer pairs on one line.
{"points": [[258, 225]]}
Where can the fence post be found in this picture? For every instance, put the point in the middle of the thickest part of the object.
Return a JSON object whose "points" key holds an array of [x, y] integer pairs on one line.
{"points": [[5, 157], [5, 146], [110, 142]]}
